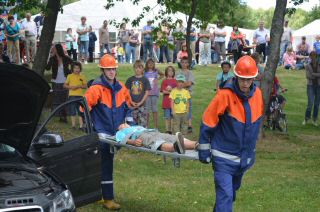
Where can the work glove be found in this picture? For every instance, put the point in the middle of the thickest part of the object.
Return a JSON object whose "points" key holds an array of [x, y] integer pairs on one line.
{"points": [[204, 156]]}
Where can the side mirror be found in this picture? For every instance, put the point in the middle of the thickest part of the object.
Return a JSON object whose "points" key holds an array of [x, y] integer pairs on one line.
{"points": [[49, 140]]}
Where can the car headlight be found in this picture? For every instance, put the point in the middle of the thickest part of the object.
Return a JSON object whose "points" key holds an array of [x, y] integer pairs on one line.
{"points": [[63, 202]]}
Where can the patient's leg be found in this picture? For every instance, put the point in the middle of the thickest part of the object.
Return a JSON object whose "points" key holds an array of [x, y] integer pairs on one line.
{"points": [[167, 147], [188, 144]]}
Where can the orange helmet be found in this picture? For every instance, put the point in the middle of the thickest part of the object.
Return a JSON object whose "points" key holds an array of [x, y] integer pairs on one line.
{"points": [[246, 67], [107, 61]]}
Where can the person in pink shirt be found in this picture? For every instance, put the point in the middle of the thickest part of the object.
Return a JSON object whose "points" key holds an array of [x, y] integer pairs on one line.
{"points": [[181, 54], [289, 59]]}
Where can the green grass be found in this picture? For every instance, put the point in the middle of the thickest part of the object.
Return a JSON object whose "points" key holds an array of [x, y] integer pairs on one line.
{"points": [[286, 175]]}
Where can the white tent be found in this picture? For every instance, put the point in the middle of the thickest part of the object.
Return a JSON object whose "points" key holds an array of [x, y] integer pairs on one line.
{"points": [[309, 31], [96, 13]]}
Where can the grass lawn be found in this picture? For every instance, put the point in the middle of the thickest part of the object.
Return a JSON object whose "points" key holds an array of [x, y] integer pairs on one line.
{"points": [[286, 176]]}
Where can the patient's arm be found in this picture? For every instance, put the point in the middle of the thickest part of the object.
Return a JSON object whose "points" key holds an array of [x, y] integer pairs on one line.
{"points": [[136, 142]]}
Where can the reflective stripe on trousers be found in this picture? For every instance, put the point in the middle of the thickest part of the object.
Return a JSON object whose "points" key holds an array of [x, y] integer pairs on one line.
{"points": [[220, 154]]}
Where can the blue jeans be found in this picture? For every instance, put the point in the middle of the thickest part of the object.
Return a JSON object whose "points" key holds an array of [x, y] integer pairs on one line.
{"points": [[147, 47], [120, 58], [131, 51], [164, 50], [214, 56], [124, 46], [283, 48], [205, 53], [299, 66], [84, 49], [313, 92], [103, 47], [226, 186]]}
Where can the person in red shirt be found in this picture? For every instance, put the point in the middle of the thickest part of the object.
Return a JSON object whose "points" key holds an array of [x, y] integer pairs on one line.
{"points": [[167, 85], [237, 43]]}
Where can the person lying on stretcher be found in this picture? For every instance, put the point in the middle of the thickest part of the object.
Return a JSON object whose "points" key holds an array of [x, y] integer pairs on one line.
{"points": [[152, 139]]}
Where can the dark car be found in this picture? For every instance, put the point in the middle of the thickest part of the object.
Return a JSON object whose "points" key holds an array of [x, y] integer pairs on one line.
{"points": [[39, 170]]}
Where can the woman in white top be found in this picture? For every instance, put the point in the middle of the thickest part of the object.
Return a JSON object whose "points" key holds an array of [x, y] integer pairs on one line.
{"points": [[59, 64]]}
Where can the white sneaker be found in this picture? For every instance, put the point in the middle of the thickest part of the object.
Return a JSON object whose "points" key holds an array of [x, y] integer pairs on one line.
{"points": [[305, 122], [315, 123], [85, 62]]}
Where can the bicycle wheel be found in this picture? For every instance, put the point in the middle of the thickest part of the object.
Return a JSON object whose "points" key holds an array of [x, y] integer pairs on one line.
{"points": [[282, 123]]}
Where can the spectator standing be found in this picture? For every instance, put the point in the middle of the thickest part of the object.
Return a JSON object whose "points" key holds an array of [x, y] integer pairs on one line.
{"points": [[258, 79], [39, 22], [237, 43], [120, 53], [220, 41], [71, 44], [179, 38], [285, 40], [316, 47], [147, 40], [12, 34], [30, 30], [76, 84], [153, 75], [83, 32], [92, 44], [205, 46], [104, 38], [59, 63], [193, 40], [123, 36], [166, 87], [189, 82], [164, 49], [132, 47], [139, 87], [261, 38], [179, 97], [313, 89]]}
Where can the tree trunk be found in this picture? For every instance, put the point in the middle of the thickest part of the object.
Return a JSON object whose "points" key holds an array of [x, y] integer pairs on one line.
{"points": [[273, 58], [189, 24], [47, 34]]}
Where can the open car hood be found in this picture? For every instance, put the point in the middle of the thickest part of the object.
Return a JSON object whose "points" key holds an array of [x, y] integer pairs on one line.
{"points": [[23, 94]]}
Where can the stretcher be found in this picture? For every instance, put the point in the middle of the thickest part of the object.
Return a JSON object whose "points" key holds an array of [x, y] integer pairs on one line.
{"points": [[189, 154]]}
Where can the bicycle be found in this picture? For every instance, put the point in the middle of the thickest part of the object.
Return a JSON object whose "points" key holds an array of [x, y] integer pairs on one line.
{"points": [[276, 118]]}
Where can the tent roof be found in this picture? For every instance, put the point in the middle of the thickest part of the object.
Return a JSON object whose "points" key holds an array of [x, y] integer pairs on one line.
{"points": [[96, 13], [309, 29]]}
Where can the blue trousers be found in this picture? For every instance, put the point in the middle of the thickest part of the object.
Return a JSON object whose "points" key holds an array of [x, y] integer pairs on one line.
{"points": [[106, 171], [226, 186], [313, 92], [147, 47]]}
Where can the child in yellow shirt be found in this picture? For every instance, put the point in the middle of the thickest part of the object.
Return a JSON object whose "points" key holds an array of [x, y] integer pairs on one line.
{"points": [[76, 84], [180, 106]]}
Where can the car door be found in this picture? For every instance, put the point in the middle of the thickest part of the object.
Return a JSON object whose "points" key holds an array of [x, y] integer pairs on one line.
{"points": [[77, 161]]}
